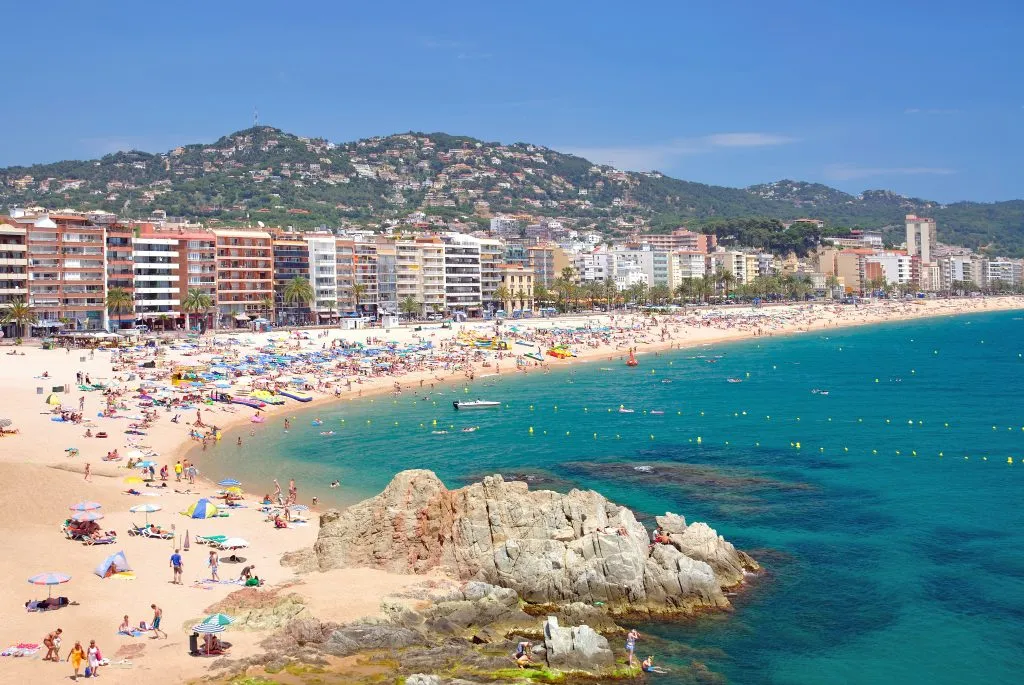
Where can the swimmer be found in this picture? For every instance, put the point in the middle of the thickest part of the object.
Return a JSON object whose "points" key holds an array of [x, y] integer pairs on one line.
{"points": [[648, 666], [335, 483]]}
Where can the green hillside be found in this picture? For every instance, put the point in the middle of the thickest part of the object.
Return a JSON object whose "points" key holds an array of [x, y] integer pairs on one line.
{"points": [[264, 174]]}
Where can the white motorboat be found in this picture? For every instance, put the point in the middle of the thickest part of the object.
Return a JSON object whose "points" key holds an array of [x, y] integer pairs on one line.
{"points": [[475, 404]]}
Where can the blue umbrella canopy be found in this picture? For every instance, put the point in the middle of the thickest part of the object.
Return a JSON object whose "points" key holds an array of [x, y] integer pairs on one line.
{"points": [[229, 482], [85, 506], [145, 464], [299, 507], [218, 620]]}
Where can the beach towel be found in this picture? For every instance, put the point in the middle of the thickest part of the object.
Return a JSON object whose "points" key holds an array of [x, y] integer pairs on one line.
{"points": [[124, 575]]}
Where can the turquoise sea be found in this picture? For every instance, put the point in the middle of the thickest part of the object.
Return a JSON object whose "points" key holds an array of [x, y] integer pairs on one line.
{"points": [[892, 537]]}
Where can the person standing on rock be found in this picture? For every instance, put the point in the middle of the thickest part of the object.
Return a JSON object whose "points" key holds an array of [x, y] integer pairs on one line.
{"points": [[631, 637]]}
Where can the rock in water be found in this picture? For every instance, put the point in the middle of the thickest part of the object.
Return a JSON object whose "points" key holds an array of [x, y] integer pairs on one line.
{"points": [[548, 547], [578, 648]]}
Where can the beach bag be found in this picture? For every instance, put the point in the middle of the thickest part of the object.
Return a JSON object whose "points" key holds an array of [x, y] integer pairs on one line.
{"points": [[88, 671]]}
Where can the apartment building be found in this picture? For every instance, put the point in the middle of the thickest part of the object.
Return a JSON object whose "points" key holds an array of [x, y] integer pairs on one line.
{"points": [[245, 274], [462, 286], [197, 262], [518, 283], [156, 265], [323, 275], [922, 237], [594, 267], [421, 273], [685, 264], [491, 256], [387, 279], [66, 270], [679, 239], [345, 273], [731, 261], [120, 271], [13, 271], [547, 261], [291, 260], [1005, 272], [895, 268], [364, 267]]}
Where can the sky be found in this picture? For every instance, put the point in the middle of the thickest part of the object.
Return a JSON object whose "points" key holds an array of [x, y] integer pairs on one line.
{"points": [[922, 97]]}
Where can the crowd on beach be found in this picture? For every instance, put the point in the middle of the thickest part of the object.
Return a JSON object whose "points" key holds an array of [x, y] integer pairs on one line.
{"points": [[190, 390]]}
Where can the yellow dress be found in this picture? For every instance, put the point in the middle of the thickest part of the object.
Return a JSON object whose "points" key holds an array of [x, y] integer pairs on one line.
{"points": [[77, 655]]}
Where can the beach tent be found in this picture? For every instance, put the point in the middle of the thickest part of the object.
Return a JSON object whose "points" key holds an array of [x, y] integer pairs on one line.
{"points": [[203, 509], [52, 399], [118, 560]]}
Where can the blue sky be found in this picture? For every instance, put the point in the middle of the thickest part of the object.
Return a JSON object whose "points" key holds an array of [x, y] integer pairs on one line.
{"points": [[920, 97]]}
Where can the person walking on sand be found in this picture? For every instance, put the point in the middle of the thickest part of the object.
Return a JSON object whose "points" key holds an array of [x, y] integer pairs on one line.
{"points": [[214, 561], [88, 471], [94, 656], [178, 468], [76, 657], [158, 614], [176, 566]]}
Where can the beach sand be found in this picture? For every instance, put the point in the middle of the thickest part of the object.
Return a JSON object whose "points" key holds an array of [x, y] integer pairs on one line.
{"points": [[41, 481]]}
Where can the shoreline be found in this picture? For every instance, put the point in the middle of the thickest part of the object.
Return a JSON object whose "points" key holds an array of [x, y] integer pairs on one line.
{"points": [[44, 481]]}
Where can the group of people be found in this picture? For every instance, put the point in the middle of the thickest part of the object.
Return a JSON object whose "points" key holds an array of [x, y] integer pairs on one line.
{"points": [[78, 655]]}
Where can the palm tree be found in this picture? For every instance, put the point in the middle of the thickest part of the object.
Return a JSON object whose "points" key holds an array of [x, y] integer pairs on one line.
{"points": [[660, 294], [522, 296], [266, 305], [119, 300], [568, 274], [163, 318], [831, 283], [611, 291], [19, 313], [409, 306], [298, 291], [540, 293], [501, 296], [195, 301], [358, 290]]}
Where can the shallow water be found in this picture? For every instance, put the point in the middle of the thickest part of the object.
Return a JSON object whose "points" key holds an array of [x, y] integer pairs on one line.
{"points": [[886, 562]]}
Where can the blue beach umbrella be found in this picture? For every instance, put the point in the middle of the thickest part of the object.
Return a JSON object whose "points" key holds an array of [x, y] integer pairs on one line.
{"points": [[145, 464], [49, 579], [229, 482], [208, 628], [85, 506], [299, 507]]}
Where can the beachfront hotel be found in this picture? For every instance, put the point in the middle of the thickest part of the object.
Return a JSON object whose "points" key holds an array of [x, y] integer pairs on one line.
{"points": [[245, 280], [13, 270]]}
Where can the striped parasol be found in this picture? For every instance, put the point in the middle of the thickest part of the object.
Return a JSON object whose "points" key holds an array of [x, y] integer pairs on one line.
{"points": [[299, 507], [208, 628], [86, 516], [49, 579], [146, 509], [85, 506], [229, 482], [218, 619]]}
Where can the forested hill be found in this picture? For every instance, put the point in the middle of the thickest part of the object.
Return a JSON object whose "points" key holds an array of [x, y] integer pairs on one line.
{"points": [[264, 174]]}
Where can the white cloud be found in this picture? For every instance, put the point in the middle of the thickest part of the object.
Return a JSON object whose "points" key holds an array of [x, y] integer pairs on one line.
{"points": [[662, 155], [848, 172]]}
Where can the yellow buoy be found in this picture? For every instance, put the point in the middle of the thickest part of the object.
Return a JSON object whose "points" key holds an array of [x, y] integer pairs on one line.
{"points": [[798, 445], [846, 449], [595, 436], [367, 420], [897, 451], [821, 449], [698, 440], [531, 430], [1009, 460], [757, 444], [874, 451], [702, 413], [913, 453], [566, 433], [396, 423], [876, 380], [531, 407], [726, 442], [434, 422], [940, 454], [585, 409], [744, 413]]}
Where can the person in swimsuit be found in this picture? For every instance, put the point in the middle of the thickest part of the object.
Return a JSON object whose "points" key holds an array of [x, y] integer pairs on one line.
{"points": [[158, 614], [631, 638]]}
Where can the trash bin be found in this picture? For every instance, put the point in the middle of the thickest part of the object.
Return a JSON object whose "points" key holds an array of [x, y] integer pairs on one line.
{"points": [[193, 644]]}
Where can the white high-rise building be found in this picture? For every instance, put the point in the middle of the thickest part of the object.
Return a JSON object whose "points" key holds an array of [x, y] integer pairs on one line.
{"points": [[921, 237], [323, 272]]}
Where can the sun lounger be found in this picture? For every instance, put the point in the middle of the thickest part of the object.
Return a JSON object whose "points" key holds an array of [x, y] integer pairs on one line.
{"points": [[105, 540], [150, 533], [210, 539]]}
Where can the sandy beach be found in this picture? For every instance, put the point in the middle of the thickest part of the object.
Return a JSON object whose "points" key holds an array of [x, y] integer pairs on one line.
{"points": [[43, 465]]}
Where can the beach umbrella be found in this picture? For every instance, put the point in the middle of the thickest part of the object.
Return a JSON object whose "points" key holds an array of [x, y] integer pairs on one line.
{"points": [[49, 579], [203, 509], [85, 506], [145, 464], [234, 543], [228, 482], [4, 423], [299, 507], [234, 490], [86, 516], [208, 628], [146, 509], [218, 620]]}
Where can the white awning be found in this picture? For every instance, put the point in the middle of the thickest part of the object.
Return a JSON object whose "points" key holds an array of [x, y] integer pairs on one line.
{"points": [[241, 317]]}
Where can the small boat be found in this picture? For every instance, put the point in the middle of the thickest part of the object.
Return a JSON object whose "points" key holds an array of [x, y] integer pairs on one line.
{"points": [[657, 412], [623, 410], [316, 422], [326, 432], [666, 381], [471, 429], [475, 404], [439, 432], [632, 360], [735, 380]]}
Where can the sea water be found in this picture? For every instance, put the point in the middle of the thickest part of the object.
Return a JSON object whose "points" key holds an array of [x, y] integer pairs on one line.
{"points": [[866, 469]]}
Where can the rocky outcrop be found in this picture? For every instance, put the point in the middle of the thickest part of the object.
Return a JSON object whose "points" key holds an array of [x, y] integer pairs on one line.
{"points": [[700, 541], [578, 648], [545, 546]]}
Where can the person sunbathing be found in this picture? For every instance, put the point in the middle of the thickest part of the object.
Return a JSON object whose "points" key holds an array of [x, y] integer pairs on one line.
{"points": [[126, 626], [279, 522]]}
